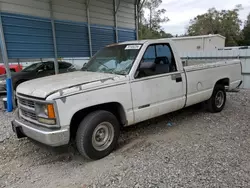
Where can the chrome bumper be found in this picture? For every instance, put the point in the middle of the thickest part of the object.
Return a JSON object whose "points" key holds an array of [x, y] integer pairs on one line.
{"points": [[46, 136]]}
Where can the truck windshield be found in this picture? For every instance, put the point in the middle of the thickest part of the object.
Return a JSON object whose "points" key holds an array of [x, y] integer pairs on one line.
{"points": [[117, 59]]}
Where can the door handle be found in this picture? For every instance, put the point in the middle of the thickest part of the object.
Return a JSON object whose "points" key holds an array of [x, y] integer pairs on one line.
{"points": [[177, 77]]}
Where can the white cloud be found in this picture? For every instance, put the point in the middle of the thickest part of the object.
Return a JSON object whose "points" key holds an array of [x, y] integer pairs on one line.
{"points": [[181, 11]]}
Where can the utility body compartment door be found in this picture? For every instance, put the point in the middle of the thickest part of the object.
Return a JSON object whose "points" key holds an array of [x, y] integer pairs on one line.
{"points": [[160, 89]]}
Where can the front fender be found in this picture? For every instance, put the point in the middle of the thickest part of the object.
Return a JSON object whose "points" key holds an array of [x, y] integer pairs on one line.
{"points": [[68, 106]]}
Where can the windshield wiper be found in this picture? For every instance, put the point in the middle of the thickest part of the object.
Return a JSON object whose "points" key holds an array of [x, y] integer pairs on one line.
{"points": [[123, 72], [84, 69]]}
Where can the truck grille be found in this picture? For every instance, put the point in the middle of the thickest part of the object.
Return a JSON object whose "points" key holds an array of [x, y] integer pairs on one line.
{"points": [[27, 109], [27, 103], [28, 114]]}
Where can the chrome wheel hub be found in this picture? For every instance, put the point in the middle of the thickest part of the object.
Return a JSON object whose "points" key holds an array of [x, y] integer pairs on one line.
{"points": [[103, 136], [219, 99]]}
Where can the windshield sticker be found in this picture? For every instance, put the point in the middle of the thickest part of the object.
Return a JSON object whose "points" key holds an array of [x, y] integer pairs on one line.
{"points": [[133, 47]]}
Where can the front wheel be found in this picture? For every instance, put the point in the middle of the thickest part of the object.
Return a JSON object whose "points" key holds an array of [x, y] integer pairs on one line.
{"points": [[97, 135], [218, 99]]}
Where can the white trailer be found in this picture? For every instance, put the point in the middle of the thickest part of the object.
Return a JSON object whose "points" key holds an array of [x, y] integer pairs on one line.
{"points": [[199, 43]]}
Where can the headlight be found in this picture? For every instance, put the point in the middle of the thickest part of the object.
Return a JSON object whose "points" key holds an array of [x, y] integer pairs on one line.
{"points": [[46, 113]]}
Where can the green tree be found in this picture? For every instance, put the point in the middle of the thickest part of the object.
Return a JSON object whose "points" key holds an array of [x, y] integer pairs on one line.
{"points": [[146, 33], [246, 32], [156, 15], [224, 22], [150, 27], [163, 34]]}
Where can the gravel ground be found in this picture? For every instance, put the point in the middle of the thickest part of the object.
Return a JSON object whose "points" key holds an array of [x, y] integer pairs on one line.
{"points": [[189, 148]]}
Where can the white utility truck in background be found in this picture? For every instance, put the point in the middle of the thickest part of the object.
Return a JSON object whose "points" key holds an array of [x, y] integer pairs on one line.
{"points": [[123, 84]]}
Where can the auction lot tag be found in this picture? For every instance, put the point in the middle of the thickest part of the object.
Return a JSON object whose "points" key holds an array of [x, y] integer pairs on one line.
{"points": [[133, 47]]}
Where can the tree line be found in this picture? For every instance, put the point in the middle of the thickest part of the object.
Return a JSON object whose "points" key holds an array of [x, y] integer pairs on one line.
{"points": [[223, 22]]}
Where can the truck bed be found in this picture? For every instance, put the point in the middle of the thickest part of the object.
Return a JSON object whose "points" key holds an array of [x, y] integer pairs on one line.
{"points": [[202, 78]]}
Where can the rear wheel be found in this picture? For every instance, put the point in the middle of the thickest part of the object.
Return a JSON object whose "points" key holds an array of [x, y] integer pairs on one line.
{"points": [[97, 135], [218, 99]]}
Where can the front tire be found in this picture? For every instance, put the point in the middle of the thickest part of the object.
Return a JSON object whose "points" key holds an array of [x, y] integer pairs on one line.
{"points": [[218, 99], [97, 135]]}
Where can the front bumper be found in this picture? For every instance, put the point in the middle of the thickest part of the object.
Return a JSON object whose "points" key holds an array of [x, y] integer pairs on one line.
{"points": [[46, 136]]}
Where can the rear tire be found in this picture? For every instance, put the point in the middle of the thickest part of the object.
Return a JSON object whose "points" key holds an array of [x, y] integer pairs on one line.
{"points": [[218, 99], [97, 135]]}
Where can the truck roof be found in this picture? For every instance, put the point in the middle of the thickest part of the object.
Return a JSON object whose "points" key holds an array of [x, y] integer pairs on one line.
{"points": [[148, 40]]}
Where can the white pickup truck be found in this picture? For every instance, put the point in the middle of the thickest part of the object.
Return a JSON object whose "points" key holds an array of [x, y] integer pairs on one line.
{"points": [[121, 85]]}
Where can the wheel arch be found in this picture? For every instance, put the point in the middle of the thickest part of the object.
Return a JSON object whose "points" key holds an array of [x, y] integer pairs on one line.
{"points": [[114, 107], [223, 81]]}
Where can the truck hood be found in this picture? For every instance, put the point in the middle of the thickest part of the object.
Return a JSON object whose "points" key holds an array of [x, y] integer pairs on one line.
{"points": [[43, 87]]}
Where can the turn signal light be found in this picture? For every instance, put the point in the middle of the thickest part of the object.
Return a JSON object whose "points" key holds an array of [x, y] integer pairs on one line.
{"points": [[51, 111]]}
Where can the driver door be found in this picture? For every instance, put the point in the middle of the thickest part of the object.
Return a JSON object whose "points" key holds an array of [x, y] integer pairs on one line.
{"points": [[160, 90]]}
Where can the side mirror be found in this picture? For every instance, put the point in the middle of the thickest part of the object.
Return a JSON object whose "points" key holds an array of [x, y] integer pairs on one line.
{"points": [[147, 66]]}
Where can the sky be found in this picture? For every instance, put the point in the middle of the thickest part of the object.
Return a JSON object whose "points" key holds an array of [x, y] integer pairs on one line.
{"points": [[181, 11]]}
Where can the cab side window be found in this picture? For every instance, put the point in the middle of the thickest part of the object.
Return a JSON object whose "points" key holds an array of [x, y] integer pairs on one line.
{"points": [[157, 59]]}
